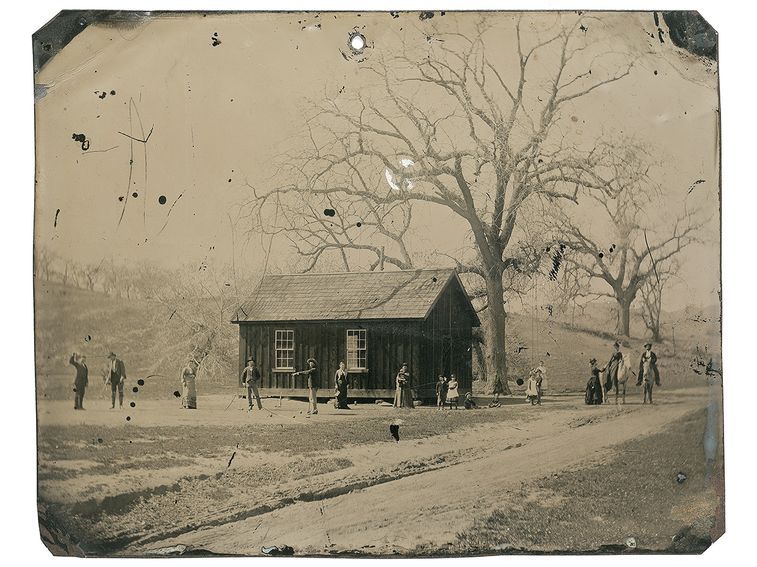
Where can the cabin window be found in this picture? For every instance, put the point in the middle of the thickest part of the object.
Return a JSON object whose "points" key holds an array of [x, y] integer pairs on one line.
{"points": [[284, 349], [357, 348]]}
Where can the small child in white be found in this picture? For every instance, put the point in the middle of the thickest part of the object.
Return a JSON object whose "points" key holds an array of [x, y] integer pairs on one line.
{"points": [[532, 388]]}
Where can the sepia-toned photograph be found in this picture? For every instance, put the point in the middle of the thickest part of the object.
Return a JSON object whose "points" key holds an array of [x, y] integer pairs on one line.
{"points": [[378, 284]]}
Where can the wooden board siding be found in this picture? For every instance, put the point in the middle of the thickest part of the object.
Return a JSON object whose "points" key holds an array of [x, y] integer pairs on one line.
{"points": [[448, 328], [389, 343]]}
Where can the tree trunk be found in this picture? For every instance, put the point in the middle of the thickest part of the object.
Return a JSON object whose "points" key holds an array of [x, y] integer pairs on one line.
{"points": [[479, 358], [496, 360], [624, 317]]}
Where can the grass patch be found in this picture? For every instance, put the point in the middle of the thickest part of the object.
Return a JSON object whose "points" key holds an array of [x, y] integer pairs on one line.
{"points": [[634, 494]]}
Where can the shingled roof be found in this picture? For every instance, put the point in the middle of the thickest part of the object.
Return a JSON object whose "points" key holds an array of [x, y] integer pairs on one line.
{"points": [[405, 294]]}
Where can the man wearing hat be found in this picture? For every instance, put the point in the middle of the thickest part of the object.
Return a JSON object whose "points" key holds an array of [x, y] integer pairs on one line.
{"points": [[82, 379], [648, 373], [313, 383], [613, 367], [116, 379], [251, 378]]}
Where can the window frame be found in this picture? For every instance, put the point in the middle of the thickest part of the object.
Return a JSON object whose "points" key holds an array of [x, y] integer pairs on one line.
{"points": [[357, 350], [276, 341]]}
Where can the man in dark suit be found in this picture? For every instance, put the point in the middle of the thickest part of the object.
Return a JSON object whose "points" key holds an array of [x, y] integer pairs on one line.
{"points": [[648, 373], [116, 379], [81, 380], [251, 378], [313, 383]]}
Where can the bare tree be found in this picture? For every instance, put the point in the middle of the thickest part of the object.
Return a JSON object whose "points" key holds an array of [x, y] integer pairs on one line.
{"points": [[618, 242], [43, 262], [350, 233], [650, 294], [200, 303], [453, 126]]}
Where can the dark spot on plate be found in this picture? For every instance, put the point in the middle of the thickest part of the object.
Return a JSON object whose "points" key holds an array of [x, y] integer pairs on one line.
{"points": [[135, 389], [133, 404], [82, 139], [128, 418], [162, 199], [177, 393], [141, 382], [329, 212], [135, 194], [394, 430]]}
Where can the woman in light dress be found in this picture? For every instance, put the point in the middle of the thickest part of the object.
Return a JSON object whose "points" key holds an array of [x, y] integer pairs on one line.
{"points": [[189, 389], [403, 396], [532, 387], [453, 395]]}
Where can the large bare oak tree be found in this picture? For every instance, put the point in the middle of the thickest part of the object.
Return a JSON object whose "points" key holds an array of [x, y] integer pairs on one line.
{"points": [[448, 125]]}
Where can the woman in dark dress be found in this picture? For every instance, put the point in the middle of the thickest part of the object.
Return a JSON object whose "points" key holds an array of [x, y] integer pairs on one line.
{"points": [[340, 379], [594, 386], [403, 397]]}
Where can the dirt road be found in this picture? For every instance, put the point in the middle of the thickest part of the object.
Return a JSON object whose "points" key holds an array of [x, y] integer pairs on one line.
{"points": [[442, 483]]}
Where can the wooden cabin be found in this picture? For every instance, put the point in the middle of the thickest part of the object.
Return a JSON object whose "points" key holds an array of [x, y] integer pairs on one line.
{"points": [[373, 321]]}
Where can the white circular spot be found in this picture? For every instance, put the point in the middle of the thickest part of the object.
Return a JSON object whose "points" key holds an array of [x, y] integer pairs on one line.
{"points": [[357, 42]]}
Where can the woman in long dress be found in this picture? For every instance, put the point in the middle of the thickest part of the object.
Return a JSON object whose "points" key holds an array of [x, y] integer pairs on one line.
{"points": [[341, 381], [403, 396], [594, 385], [453, 395], [188, 377]]}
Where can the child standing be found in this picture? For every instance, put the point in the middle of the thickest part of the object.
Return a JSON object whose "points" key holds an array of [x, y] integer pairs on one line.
{"points": [[532, 388], [441, 392], [452, 394]]}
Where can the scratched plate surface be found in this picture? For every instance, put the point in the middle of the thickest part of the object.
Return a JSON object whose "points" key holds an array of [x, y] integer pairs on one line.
{"points": [[521, 207]]}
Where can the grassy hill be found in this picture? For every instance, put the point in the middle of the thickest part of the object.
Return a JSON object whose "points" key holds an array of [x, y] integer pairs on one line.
{"points": [[142, 332], [566, 351], [150, 341]]}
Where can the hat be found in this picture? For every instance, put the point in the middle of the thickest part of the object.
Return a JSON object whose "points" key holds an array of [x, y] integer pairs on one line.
{"points": [[593, 361], [616, 345], [250, 360], [112, 355], [647, 344], [309, 360]]}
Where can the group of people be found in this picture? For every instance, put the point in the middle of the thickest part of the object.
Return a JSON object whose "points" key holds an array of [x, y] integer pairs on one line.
{"points": [[535, 385], [616, 373], [115, 376], [447, 392]]}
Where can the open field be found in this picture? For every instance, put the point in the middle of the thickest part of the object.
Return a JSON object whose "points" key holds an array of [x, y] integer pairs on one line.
{"points": [[213, 480]]}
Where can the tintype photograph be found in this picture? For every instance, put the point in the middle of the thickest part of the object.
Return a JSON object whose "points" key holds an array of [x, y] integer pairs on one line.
{"points": [[377, 284]]}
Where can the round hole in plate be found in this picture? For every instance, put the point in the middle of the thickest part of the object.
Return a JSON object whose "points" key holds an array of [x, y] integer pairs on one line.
{"points": [[357, 41]]}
